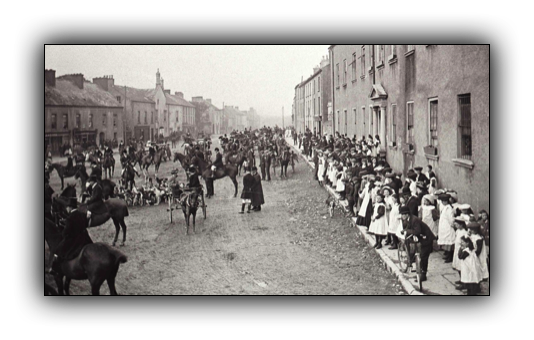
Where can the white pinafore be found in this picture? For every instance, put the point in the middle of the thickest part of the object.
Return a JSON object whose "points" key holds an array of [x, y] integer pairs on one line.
{"points": [[380, 225], [470, 268]]}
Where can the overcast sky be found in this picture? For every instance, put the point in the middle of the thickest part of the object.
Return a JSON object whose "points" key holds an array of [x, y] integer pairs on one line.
{"points": [[263, 77]]}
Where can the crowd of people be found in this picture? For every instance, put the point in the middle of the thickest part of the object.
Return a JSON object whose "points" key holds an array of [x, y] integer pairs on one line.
{"points": [[392, 206]]}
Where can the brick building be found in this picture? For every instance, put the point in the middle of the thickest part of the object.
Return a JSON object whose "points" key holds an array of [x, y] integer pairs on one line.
{"points": [[78, 111], [428, 103]]}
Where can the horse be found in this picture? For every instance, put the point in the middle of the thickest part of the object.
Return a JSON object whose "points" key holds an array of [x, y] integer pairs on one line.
{"points": [[49, 290], [190, 204], [236, 159], [109, 165], [157, 159], [117, 208], [228, 170], [63, 172], [97, 262], [185, 161]]}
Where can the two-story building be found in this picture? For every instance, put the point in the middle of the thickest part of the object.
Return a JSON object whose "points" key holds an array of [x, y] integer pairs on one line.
{"points": [[78, 111], [429, 104]]}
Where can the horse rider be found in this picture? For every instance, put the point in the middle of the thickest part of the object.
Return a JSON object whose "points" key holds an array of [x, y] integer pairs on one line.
{"points": [[199, 153], [48, 199], [194, 182], [95, 204], [74, 236], [108, 151], [96, 170]]}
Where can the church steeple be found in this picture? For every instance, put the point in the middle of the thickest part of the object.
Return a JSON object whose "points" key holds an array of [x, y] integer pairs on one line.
{"points": [[158, 78]]}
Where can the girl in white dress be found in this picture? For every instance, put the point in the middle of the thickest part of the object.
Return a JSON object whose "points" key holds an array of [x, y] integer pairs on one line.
{"points": [[394, 221], [320, 169], [446, 233], [461, 231], [429, 215], [480, 248], [379, 223], [471, 274]]}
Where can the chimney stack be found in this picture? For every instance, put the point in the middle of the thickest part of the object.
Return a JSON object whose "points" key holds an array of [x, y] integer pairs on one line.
{"points": [[76, 78], [50, 77], [167, 91], [179, 94], [105, 82]]}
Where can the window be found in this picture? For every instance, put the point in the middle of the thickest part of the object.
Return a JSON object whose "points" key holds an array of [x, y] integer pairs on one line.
{"points": [[464, 126], [338, 123], [104, 119], [433, 122], [345, 72], [119, 99], [319, 106], [411, 48], [114, 120], [362, 62], [114, 136], [337, 75], [363, 121], [90, 120], [409, 123], [353, 66], [146, 117], [393, 132], [138, 117], [53, 121], [319, 84], [393, 51], [65, 121], [346, 119], [381, 54], [354, 113], [78, 120]]}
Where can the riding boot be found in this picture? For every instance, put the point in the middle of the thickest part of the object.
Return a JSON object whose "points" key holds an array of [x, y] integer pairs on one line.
{"points": [[242, 208]]}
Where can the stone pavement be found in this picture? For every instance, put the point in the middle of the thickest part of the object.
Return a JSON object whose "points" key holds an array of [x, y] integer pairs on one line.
{"points": [[441, 276]]}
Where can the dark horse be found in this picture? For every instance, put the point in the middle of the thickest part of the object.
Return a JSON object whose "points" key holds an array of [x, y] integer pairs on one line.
{"points": [[184, 160], [236, 159], [117, 209], [109, 166], [108, 186], [63, 172], [228, 170], [189, 207], [128, 176], [97, 262]]}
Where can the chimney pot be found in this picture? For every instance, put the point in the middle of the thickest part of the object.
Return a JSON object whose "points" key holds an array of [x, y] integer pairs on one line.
{"points": [[50, 77]]}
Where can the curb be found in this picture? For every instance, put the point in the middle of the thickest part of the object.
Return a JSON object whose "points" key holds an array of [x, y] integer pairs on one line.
{"points": [[389, 265]]}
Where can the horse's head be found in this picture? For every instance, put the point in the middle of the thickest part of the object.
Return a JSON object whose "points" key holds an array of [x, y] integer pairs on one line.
{"points": [[69, 191]]}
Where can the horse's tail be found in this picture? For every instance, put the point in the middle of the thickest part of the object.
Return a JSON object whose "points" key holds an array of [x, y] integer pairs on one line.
{"points": [[119, 257]]}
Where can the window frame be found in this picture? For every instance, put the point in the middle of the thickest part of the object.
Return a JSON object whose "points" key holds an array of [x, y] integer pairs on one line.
{"points": [[410, 136], [90, 121], [53, 121], [104, 120], [461, 128], [362, 62], [431, 139], [354, 67], [78, 120], [392, 136], [344, 72], [65, 121]]}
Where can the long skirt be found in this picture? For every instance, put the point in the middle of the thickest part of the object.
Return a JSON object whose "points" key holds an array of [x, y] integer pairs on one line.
{"points": [[366, 221]]}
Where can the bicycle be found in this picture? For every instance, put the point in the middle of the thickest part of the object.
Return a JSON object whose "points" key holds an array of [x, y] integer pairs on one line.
{"points": [[409, 252]]}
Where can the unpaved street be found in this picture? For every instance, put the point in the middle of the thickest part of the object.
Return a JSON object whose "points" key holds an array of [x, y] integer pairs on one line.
{"points": [[290, 247]]}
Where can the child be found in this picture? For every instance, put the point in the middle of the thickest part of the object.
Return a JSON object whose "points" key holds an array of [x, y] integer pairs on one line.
{"points": [[480, 248], [340, 184], [446, 233], [366, 207], [483, 219], [429, 214], [394, 221], [461, 231], [470, 271], [320, 169], [379, 223]]}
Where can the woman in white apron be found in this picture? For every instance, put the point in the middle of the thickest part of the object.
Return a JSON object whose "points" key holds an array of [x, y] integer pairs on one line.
{"points": [[379, 223], [461, 231], [480, 248], [446, 233]]}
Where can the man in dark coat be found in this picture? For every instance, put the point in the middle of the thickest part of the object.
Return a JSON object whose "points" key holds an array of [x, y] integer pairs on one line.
{"points": [[218, 159], [96, 170], [267, 159], [48, 200], [412, 203], [257, 191], [95, 204], [414, 226], [421, 177], [74, 236], [246, 195]]}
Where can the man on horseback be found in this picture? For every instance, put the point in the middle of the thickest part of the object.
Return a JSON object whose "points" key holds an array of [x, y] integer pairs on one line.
{"points": [[96, 171], [95, 204], [74, 237]]}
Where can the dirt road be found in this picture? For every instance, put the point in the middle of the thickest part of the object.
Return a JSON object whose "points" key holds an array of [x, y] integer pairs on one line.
{"points": [[290, 247]]}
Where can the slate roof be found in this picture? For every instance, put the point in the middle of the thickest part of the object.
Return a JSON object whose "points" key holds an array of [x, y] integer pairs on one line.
{"points": [[175, 100], [66, 93]]}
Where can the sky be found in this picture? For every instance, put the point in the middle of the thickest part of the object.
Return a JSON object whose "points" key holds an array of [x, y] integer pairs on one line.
{"points": [[263, 77]]}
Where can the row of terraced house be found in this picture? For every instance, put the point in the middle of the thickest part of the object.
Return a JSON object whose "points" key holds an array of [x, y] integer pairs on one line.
{"points": [[429, 104]]}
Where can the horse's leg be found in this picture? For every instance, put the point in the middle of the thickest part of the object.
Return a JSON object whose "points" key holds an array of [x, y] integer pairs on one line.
{"points": [[194, 217], [123, 224], [111, 285], [234, 180], [117, 229], [59, 283], [67, 286]]}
